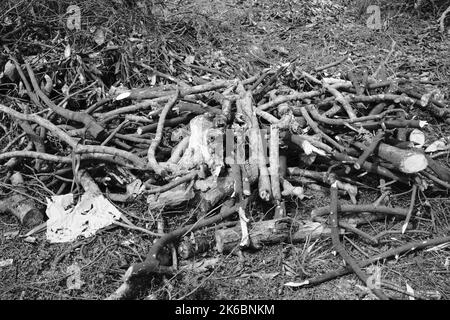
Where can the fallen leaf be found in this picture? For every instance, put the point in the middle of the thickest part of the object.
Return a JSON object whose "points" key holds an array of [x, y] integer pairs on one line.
{"points": [[410, 290], [67, 51], [437, 145], [99, 36], [189, 59], [6, 263]]}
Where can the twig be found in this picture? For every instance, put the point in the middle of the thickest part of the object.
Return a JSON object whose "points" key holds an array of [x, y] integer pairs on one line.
{"points": [[436, 180], [151, 150], [352, 208], [332, 64], [369, 150], [114, 132], [411, 208], [152, 265], [413, 246], [172, 184], [92, 126], [133, 227], [382, 64], [317, 130], [338, 245]]}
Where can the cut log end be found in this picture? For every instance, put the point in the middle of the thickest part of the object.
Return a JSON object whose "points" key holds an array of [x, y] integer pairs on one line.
{"points": [[414, 163]]}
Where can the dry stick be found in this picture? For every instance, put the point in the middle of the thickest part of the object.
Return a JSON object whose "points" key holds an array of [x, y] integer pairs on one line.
{"points": [[368, 166], [292, 97], [203, 68], [371, 167], [369, 150], [70, 141], [13, 141], [317, 130], [162, 75], [142, 105], [342, 122], [382, 64], [439, 169], [339, 247], [411, 208], [97, 105], [173, 122], [435, 179], [361, 233], [359, 89], [152, 265], [357, 208], [114, 132], [151, 150], [92, 126], [392, 252], [405, 160], [38, 140], [262, 91], [210, 86], [392, 124], [436, 111], [332, 64], [257, 156], [274, 167], [133, 227], [172, 184], [30, 92], [259, 80], [441, 20], [35, 155], [341, 99], [353, 229], [377, 109]]}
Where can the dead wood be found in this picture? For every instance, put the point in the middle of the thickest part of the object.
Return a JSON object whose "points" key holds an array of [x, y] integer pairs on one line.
{"points": [[20, 205]]}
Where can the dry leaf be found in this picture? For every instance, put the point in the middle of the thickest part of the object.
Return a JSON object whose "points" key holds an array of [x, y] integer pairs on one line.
{"points": [[67, 51], [410, 290], [189, 59], [99, 36], [437, 145]]}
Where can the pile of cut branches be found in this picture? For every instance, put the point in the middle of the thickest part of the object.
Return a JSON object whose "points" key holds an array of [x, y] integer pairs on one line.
{"points": [[225, 144]]}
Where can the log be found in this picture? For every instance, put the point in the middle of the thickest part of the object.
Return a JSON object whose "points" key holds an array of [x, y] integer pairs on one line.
{"points": [[261, 233], [193, 245], [257, 151], [170, 198], [21, 206], [270, 232], [407, 161]]}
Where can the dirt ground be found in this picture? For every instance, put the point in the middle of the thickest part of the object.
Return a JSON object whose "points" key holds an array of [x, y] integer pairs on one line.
{"points": [[239, 38]]}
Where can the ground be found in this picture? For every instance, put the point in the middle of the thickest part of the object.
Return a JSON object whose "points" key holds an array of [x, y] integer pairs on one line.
{"points": [[238, 38]]}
